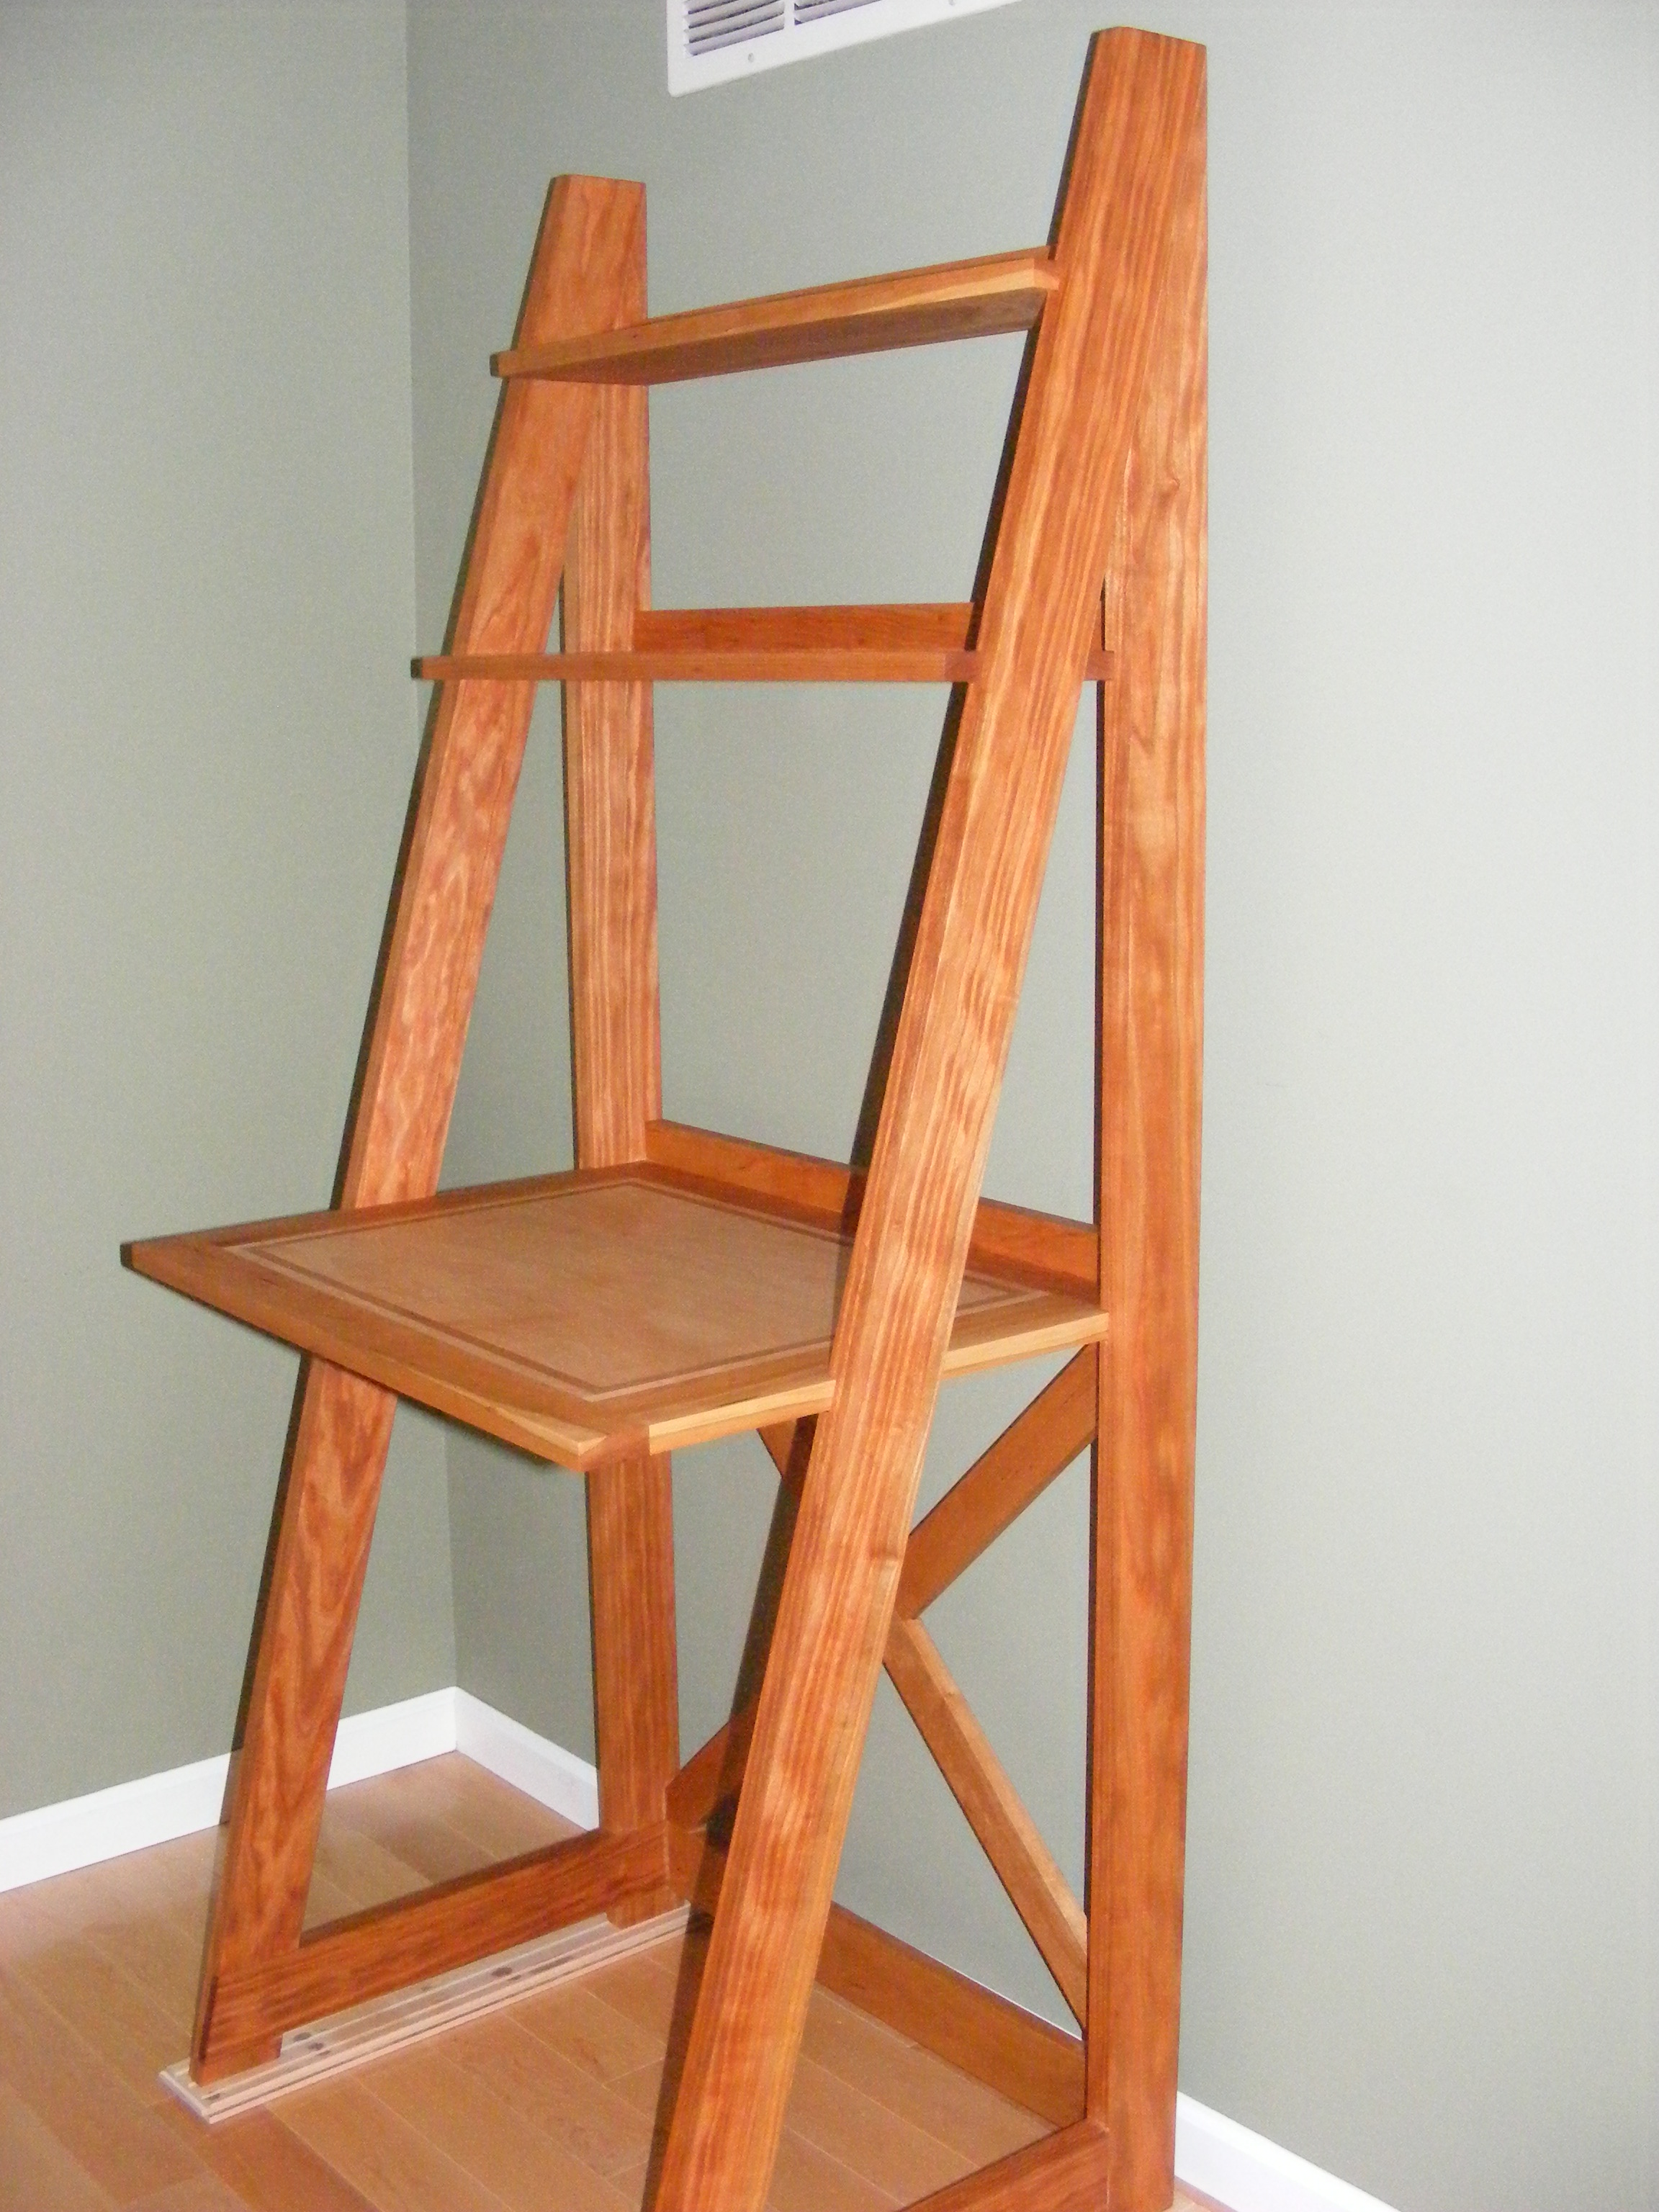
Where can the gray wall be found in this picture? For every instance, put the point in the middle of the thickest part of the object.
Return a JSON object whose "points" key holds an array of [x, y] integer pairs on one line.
{"points": [[1424, 1871], [207, 730]]}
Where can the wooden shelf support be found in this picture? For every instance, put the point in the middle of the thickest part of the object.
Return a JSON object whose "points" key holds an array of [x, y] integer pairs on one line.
{"points": [[679, 1284]]}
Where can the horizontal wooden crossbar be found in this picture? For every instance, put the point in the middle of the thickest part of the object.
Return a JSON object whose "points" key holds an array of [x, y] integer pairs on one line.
{"points": [[1032, 2063], [872, 314], [390, 1946], [1041, 1249], [892, 644]]}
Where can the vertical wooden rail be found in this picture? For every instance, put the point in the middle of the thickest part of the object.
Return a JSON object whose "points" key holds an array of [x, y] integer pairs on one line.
{"points": [[440, 908], [1143, 97], [1151, 983], [610, 861]]}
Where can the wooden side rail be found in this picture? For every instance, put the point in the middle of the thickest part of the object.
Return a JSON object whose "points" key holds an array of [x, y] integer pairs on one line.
{"points": [[892, 644], [390, 1946], [1070, 2171], [872, 314], [1042, 1249]]}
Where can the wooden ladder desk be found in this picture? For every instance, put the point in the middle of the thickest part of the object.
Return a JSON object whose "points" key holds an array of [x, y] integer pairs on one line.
{"points": [[680, 1284]]}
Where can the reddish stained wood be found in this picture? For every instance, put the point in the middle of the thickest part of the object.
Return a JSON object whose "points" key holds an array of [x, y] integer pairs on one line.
{"points": [[1081, 402], [1063, 2172], [1033, 2064], [441, 905], [1023, 1863], [448, 1925], [713, 1772], [1000, 1484], [279, 1773], [871, 315], [920, 644], [616, 1055], [1036, 1248], [1152, 860]]}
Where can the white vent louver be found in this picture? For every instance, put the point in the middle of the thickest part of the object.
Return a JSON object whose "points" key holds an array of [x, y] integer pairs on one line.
{"points": [[709, 40]]}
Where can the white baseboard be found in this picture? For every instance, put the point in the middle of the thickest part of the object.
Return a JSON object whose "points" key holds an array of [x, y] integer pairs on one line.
{"points": [[1213, 2155], [1247, 2173], [553, 1776], [130, 1817]]}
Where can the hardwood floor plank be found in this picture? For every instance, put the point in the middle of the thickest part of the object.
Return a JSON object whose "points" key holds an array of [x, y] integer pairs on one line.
{"points": [[595, 2124], [206, 2193], [909, 2080], [834, 2116], [133, 2035], [35, 2168], [528, 2168], [271, 2169], [111, 2131], [591, 2034], [382, 2155], [808, 2179]]}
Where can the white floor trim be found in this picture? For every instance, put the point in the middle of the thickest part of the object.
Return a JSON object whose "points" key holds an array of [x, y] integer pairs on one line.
{"points": [[1247, 2173], [553, 1776], [131, 1816]]}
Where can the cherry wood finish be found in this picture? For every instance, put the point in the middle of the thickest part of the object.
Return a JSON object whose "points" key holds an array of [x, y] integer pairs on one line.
{"points": [[388, 1947], [1065, 2172], [996, 2041], [586, 1317], [615, 1057], [725, 1284], [1024, 1865], [441, 905], [872, 314], [923, 644], [1151, 925], [1000, 1484], [1010, 1239], [1083, 398]]}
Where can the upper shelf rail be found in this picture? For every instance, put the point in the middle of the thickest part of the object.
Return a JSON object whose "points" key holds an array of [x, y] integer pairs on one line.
{"points": [[919, 644], [872, 314]]}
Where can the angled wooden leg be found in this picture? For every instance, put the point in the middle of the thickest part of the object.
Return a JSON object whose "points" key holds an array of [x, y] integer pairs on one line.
{"points": [[1081, 405], [280, 1772], [617, 1074], [1151, 810], [435, 942]]}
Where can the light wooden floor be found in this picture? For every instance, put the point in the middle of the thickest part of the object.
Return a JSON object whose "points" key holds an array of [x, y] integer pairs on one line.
{"points": [[549, 2104]]}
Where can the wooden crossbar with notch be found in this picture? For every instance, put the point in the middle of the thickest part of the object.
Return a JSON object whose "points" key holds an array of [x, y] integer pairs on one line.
{"points": [[680, 1283]]}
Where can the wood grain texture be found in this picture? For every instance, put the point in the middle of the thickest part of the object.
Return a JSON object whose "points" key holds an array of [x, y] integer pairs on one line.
{"points": [[1064, 2173], [1024, 1865], [920, 644], [871, 315], [586, 1317], [1012, 1240], [987, 2036], [279, 1772], [1036, 1447], [390, 1946], [1081, 405], [440, 909], [1152, 862], [616, 1060]]}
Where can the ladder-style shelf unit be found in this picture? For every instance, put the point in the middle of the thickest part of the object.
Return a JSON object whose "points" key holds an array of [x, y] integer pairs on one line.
{"points": [[680, 1284]]}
